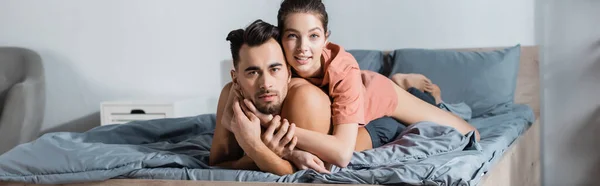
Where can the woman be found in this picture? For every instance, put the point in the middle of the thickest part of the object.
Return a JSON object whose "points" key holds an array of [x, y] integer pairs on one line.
{"points": [[358, 97]]}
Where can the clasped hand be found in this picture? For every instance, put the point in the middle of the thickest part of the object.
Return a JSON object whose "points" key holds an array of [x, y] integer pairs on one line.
{"points": [[245, 122], [277, 143]]}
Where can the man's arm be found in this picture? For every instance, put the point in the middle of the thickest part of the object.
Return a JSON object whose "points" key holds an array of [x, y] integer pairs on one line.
{"points": [[225, 151], [247, 131], [267, 160], [244, 163]]}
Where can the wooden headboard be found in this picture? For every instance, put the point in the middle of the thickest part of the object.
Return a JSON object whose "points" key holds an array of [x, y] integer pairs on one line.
{"points": [[528, 80]]}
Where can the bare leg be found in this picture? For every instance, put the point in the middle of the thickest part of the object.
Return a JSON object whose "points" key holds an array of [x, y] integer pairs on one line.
{"points": [[363, 140], [411, 110], [435, 92], [418, 81]]}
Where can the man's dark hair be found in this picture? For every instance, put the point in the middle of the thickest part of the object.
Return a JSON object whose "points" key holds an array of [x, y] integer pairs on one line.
{"points": [[257, 33]]}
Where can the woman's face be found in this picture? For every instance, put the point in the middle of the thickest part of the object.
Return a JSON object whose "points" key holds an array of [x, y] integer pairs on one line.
{"points": [[303, 40]]}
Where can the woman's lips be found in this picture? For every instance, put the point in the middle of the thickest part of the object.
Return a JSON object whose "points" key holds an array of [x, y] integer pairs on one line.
{"points": [[302, 60]]}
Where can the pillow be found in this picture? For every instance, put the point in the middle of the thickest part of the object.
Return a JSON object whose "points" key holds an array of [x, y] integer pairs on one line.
{"points": [[484, 80], [369, 60]]}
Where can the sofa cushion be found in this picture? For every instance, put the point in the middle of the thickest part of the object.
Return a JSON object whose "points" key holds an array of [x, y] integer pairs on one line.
{"points": [[484, 80], [370, 60]]}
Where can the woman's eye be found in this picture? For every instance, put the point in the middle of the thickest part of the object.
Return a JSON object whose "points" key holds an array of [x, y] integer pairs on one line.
{"points": [[292, 36], [314, 35]]}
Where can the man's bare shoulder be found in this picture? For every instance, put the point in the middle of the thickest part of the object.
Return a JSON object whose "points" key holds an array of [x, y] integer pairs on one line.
{"points": [[227, 86], [223, 97]]}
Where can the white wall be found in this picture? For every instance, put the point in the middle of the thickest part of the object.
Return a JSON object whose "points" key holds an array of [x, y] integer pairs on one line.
{"points": [[100, 50], [569, 34], [391, 24]]}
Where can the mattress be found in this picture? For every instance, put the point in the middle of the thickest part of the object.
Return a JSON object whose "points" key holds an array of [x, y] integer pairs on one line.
{"points": [[499, 130], [177, 148]]}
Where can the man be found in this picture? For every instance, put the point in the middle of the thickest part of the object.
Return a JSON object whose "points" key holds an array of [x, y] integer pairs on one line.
{"points": [[262, 76], [262, 83]]}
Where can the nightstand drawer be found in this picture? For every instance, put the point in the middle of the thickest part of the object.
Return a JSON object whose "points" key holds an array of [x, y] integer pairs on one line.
{"points": [[138, 109], [123, 113], [116, 118], [119, 112]]}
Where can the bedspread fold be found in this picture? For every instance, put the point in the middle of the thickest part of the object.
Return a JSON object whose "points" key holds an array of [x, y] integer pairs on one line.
{"points": [[425, 153]]}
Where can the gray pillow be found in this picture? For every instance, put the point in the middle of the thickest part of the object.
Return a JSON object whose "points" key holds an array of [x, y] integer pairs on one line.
{"points": [[370, 60], [483, 80]]}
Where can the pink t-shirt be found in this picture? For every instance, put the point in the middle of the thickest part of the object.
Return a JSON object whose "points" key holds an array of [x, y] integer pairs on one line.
{"points": [[358, 96]]}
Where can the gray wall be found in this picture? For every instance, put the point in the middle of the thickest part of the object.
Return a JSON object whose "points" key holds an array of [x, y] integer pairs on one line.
{"points": [[569, 32]]}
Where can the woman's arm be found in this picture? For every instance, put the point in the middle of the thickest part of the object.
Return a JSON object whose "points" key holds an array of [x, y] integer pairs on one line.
{"points": [[310, 109], [336, 149]]}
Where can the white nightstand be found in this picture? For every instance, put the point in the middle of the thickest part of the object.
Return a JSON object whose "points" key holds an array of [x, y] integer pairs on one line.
{"points": [[119, 112]]}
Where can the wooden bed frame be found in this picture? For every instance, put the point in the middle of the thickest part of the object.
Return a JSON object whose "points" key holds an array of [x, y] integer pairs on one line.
{"points": [[519, 165]]}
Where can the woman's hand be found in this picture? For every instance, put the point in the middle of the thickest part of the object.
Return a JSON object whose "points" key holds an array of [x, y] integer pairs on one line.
{"points": [[282, 142], [305, 160]]}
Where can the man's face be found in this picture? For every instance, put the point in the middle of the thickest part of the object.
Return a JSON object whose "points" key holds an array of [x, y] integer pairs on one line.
{"points": [[263, 76]]}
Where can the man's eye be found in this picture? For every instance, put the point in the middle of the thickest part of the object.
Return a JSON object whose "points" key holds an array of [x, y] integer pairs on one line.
{"points": [[252, 73], [276, 69]]}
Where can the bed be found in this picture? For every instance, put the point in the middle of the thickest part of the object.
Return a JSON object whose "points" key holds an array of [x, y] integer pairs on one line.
{"points": [[508, 153]]}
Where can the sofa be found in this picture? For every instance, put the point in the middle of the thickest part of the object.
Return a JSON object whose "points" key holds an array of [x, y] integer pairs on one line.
{"points": [[22, 96]]}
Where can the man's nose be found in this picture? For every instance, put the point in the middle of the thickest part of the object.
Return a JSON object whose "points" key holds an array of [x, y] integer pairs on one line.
{"points": [[267, 82]]}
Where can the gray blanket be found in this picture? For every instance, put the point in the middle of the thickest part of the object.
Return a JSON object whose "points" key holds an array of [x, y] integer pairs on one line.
{"points": [[178, 148]]}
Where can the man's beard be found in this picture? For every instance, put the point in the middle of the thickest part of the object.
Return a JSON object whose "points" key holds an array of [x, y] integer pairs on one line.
{"points": [[268, 108]]}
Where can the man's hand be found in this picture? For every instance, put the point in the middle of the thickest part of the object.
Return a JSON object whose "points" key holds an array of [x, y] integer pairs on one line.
{"points": [[234, 94], [305, 160], [245, 127], [283, 141], [264, 118]]}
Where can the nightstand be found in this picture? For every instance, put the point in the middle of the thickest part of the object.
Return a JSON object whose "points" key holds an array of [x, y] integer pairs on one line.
{"points": [[119, 112]]}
